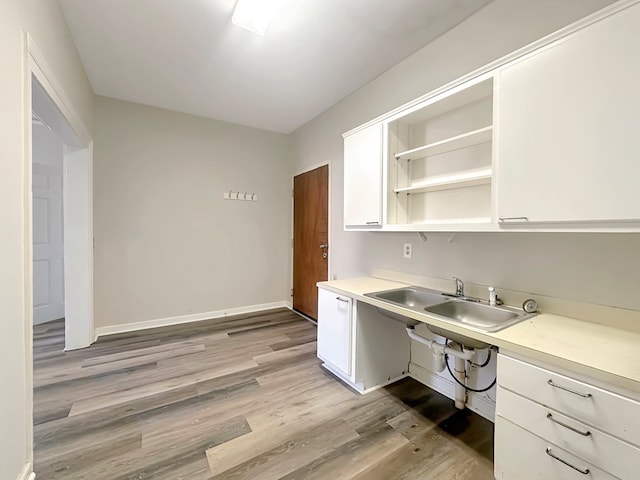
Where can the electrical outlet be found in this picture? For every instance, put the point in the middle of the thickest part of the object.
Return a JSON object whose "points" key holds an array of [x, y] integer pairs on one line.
{"points": [[407, 251]]}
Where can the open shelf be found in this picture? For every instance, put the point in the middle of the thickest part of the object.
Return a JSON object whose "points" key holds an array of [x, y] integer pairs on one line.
{"points": [[467, 178], [475, 137], [440, 157]]}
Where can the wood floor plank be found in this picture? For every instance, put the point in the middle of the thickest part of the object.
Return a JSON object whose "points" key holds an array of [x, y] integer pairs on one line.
{"points": [[124, 396], [300, 448], [51, 375], [69, 463], [352, 458], [240, 397], [286, 353]]}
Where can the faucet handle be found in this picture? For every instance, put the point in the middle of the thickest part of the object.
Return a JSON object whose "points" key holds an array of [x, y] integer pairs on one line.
{"points": [[493, 297]]}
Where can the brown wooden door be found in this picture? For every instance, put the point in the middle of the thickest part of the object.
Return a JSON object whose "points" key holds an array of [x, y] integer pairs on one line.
{"points": [[310, 238]]}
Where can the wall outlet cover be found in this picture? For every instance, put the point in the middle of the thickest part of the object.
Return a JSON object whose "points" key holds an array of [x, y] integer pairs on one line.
{"points": [[407, 251]]}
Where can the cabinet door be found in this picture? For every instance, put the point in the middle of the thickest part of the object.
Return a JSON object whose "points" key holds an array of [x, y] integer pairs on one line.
{"points": [[363, 178], [334, 329], [568, 142]]}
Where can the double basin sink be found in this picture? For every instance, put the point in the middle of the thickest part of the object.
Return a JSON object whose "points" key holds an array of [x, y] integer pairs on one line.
{"points": [[463, 311]]}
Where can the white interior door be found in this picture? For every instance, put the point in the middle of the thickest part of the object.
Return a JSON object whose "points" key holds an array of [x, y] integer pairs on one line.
{"points": [[48, 244]]}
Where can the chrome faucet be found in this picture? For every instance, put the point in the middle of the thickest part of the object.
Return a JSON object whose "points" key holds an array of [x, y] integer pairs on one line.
{"points": [[459, 287]]}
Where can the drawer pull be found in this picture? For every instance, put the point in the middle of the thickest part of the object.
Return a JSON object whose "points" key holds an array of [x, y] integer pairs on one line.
{"points": [[584, 434], [583, 395], [555, 457], [342, 299]]}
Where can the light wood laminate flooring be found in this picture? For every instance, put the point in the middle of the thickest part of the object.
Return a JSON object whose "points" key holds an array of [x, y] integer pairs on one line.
{"points": [[238, 398]]}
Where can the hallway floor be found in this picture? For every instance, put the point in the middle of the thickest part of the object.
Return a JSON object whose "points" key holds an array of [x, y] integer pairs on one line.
{"points": [[237, 398]]}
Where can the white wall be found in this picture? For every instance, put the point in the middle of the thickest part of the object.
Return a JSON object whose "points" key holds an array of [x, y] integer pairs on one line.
{"points": [[44, 21], [166, 242], [596, 268]]}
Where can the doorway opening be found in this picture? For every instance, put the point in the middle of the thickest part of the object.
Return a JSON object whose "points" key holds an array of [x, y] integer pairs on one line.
{"points": [[310, 238], [61, 222]]}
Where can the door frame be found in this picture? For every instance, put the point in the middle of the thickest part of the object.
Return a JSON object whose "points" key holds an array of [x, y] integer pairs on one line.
{"points": [[326, 163], [78, 218]]}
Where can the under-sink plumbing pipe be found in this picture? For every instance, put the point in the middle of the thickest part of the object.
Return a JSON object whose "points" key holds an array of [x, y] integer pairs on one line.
{"points": [[460, 394], [466, 354], [439, 350]]}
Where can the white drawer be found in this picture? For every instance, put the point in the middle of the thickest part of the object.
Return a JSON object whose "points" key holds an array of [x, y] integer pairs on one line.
{"points": [[521, 455], [607, 411], [610, 454]]}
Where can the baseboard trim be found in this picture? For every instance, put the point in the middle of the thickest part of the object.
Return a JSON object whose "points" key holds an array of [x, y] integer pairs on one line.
{"points": [[26, 473], [194, 317]]}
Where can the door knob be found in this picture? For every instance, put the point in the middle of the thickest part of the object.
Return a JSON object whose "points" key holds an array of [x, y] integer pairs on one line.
{"points": [[324, 246]]}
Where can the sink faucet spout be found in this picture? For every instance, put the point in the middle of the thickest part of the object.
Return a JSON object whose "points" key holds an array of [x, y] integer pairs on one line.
{"points": [[459, 287]]}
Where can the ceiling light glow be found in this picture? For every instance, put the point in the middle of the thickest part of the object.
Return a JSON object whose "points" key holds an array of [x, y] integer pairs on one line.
{"points": [[256, 15]]}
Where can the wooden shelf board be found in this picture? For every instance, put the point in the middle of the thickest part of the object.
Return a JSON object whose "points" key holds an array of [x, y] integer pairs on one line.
{"points": [[475, 137], [466, 178]]}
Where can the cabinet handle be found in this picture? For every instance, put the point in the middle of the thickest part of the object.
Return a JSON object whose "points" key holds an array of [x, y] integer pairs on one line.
{"points": [[342, 299], [583, 395], [584, 434], [373, 223], [555, 457], [513, 219]]}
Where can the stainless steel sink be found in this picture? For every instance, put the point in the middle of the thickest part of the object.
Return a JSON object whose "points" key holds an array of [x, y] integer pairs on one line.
{"points": [[413, 298], [410, 297], [464, 311], [482, 317]]}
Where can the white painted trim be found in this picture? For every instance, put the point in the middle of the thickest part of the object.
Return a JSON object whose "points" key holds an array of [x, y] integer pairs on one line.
{"points": [[40, 68], [505, 60], [194, 317], [359, 387], [28, 255], [35, 65], [26, 473], [78, 206], [78, 247]]}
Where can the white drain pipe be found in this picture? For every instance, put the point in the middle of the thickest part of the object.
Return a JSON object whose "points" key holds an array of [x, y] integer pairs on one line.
{"points": [[460, 394]]}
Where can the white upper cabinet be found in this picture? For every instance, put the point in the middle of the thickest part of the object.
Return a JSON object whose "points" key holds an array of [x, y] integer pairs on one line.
{"points": [[439, 166], [363, 178], [569, 129]]}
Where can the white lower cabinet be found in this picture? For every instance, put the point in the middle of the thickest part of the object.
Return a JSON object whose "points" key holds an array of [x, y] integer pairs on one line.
{"points": [[334, 330], [552, 426], [363, 348], [520, 455]]}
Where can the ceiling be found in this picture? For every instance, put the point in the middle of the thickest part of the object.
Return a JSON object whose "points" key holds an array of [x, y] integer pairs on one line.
{"points": [[186, 55]]}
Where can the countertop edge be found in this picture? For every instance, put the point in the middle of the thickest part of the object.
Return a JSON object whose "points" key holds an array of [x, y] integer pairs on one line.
{"points": [[630, 386]]}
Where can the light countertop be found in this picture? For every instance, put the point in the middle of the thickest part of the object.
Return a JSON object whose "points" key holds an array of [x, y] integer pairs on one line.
{"points": [[605, 353]]}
